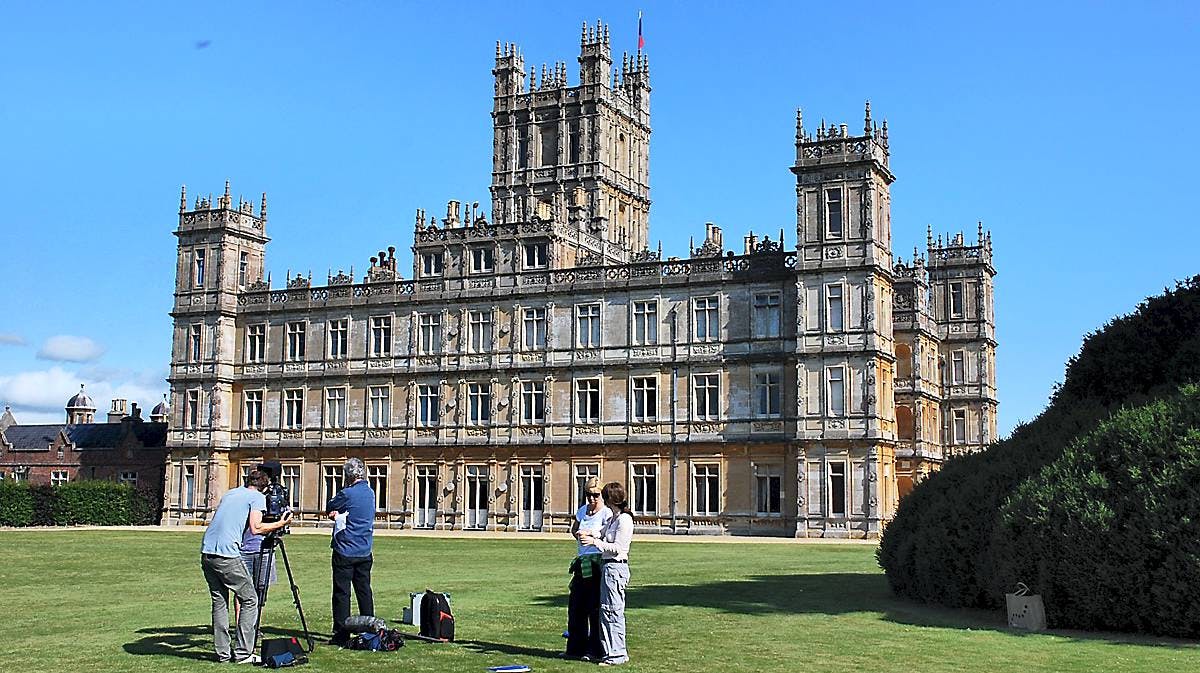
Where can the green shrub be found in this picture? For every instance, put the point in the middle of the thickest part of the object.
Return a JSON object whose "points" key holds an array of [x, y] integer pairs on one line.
{"points": [[939, 547], [1109, 533], [95, 503], [16, 504]]}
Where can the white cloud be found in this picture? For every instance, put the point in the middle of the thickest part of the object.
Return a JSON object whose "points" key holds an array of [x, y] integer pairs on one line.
{"points": [[67, 348], [11, 339], [43, 394]]}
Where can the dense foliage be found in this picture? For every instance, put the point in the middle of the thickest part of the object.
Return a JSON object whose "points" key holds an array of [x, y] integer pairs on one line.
{"points": [[1109, 533], [95, 503], [940, 546]]}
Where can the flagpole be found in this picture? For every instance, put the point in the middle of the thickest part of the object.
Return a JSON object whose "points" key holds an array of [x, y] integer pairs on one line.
{"points": [[641, 40]]}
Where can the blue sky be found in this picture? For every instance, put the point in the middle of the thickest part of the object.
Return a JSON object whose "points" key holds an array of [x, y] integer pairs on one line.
{"points": [[1069, 129]]}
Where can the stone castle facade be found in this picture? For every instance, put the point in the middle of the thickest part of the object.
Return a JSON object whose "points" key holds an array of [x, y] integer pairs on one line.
{"points": [[774, 390]]}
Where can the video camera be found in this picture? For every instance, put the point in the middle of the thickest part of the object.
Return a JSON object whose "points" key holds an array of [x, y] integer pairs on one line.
{"points": [[278, 500]]}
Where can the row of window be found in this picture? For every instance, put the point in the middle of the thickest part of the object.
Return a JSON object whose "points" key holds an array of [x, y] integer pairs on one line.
{"points": [[644, 396], [531, 484], [535, 256], [200, 268], [480, 329], [60, 477]]}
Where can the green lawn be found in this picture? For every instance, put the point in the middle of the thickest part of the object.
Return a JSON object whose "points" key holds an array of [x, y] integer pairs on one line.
{"points": [[93, 601]]}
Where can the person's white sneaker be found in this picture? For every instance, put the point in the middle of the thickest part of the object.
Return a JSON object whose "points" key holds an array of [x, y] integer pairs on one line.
{"points": [[253, 659]]}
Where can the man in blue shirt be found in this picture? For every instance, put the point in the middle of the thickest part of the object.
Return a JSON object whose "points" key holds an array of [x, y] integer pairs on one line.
{"points": [[221, 560], [352, 546]]}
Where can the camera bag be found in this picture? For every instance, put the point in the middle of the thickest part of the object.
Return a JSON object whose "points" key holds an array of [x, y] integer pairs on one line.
{"points": [[281, 652], [437, 622]]}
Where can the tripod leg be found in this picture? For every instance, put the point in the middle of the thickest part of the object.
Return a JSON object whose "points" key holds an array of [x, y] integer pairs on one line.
{"points": [[296, 596], [261, 586]]}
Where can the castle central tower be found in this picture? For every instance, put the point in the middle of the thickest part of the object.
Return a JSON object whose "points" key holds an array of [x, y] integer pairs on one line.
{"points": [[579, 154]]}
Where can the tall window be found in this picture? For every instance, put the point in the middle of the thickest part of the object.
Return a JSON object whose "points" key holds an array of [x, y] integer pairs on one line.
{"points": [[645, 322], [331, 482], [428, 411], [573, 142], [335, 407], [548, 137], [432, 264], [535, 255], [531, 497], [960, 426], [479, 403], [427, 496], [339, 338], [768, 490], [482, 260], [835, 377], [58, 477], [381, 406], [707, 393], [958, 367], [187, 486], [833, 212], [766, 314], [191, 410], [195, 339], [766, 394], [293, 409], [956, 300], [290, 478], [129, 478], [256, 343], [583, 472], [834, 313], [254, 410], [430, 333], [704, 309], [243, 268], [645, 399], [295, 340], [198, 263], [479, 325], [587, 325], [381, 336], [377, 477], [706, 490], [477, 496], [523, 147], [645, 488], [533, 325], [533, 402], [837, 488], [587, 401]]}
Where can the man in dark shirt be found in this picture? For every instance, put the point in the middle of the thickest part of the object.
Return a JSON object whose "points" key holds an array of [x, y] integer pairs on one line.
{"points": [[352, 546]]}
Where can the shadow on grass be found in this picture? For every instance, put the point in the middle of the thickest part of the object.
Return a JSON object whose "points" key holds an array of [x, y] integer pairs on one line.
{"points": [[835, 594], [189, 642], [484, 647]]}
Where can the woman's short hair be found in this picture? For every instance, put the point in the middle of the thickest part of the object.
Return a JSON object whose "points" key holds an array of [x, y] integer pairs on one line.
{"points": [[258, 479], [353, 470], [614, 496]]}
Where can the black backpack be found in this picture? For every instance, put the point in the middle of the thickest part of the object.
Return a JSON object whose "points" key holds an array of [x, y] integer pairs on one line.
{"points": [[436, 620]]}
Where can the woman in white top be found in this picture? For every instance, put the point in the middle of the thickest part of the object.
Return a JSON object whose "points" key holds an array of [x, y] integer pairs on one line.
{"points": [[583, 606], [613, 542]]}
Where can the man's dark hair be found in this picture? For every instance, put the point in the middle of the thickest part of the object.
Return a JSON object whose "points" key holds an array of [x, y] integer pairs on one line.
{"points": [[258, 479], [614, 497]]}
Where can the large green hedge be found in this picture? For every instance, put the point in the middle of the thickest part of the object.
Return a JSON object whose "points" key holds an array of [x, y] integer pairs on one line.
{"points": [[1109, 533], [940, 546], [94, 503]]}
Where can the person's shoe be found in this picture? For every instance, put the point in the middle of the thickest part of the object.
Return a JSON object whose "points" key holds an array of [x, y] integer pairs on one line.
{"points": [[613, 662], [253, 660], [587, 657]]}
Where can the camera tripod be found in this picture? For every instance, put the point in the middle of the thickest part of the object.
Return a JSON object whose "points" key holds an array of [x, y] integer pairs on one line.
{"points": [[262, 582]]}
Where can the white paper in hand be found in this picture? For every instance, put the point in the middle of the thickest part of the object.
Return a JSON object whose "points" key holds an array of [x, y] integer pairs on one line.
{"points": [[339, 523]]}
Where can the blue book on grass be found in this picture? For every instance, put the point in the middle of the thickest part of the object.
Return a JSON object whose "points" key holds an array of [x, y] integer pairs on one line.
{"points": [[510, 668]]}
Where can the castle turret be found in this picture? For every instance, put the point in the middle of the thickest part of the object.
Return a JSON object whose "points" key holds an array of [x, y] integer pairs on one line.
{"points": [[221, 249], [80, 408]]}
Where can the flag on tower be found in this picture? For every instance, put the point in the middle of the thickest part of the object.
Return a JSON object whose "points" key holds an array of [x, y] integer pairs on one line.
{"points": [[641, 40]]}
